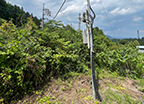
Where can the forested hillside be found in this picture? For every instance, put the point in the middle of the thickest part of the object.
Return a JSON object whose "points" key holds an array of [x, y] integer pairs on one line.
{"points": [[17, 14], [129, 41]]}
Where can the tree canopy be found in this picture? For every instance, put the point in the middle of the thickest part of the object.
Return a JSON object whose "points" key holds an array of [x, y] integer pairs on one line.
{"points": [[17, 14]]}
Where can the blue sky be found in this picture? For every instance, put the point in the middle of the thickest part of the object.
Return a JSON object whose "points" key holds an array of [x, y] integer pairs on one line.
{"points": [[126, 16]]}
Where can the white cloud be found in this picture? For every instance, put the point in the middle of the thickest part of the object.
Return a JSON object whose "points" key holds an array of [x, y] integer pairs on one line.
{"points": [[142, 31], [139, 1], [72, 8], [121, 29], [137, 19], [123, 11], [96, 0], [100, 17], [75, 6]]}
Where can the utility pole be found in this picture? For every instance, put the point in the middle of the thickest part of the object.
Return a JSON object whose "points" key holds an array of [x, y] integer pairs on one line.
{"points": [[138, 35], [88, 39], [44, 12], [42, 23], [91, 52], [79, 20], [89, 22]]}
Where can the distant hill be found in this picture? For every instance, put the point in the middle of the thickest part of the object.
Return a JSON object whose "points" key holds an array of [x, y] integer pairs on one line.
{"points": [[110, 37]]}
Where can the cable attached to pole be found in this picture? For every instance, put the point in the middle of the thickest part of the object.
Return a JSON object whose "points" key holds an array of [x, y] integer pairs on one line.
{"points": [[95, 81], [93, 14]]}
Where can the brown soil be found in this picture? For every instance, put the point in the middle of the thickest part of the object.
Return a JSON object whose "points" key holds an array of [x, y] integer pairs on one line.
{"points": [[78, 90]]}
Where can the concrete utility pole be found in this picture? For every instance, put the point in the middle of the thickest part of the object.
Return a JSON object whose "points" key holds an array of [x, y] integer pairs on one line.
{"points": [[91, 52], [42, 24], [138, 35], [44, 12], [88, 39], [79, 20], [94, 81]]}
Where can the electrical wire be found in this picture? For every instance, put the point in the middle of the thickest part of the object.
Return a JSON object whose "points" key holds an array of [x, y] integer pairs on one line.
{"points": [[59, 9], [10, 11], [120, 48], [109, 22], [28, 5]]}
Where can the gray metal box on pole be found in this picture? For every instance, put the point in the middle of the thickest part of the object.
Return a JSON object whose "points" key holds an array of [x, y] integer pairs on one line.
{"points": [[88, 31], [84, 36]]}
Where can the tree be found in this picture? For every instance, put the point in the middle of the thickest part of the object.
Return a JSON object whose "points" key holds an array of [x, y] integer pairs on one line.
{"points": [[2, 21], [18, 16], [123, 41], [136, 43]]}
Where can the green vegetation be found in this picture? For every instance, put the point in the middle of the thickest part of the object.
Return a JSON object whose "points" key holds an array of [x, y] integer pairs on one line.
{"points": [[120, 59], [112, 97], [17, 14], [63, 88], [2, 21], [88, 98], [29, 56], [130, 41]]}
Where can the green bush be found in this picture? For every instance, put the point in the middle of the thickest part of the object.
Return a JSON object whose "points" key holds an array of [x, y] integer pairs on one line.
{"points": [[29, 55], [124, 59]]}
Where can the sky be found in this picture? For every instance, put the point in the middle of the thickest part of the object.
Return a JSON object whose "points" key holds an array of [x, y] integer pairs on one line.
{"points": [[125, 16]]}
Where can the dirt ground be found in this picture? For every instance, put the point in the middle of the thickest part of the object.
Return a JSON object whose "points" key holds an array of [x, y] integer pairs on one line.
{"points": [[79, 91]]}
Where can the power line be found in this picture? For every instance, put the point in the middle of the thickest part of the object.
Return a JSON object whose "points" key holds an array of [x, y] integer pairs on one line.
{"points": [[12, 11], [34, 5], [29, 5], [59, 9], [109, 22], [7, 10], [23, 13], [120, 48]]}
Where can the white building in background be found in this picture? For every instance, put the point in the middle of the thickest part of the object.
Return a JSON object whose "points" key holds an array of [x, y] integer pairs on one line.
{"points": [[141, 48]]}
